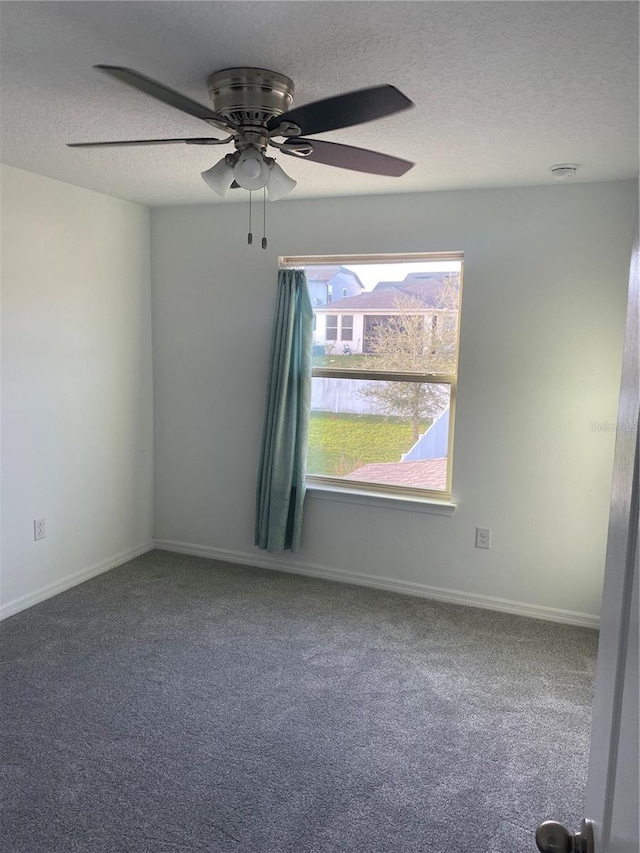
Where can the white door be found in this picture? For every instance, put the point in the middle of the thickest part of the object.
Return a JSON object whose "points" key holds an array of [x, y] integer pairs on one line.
{"points": [[612, 788], [612, 801]]}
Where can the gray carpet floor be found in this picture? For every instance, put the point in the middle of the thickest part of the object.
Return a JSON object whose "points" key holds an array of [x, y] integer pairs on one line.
{"points": [[183, 704]]}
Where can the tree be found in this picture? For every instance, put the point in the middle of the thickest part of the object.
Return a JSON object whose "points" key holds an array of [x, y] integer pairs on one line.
{"points": [[420, 337]]}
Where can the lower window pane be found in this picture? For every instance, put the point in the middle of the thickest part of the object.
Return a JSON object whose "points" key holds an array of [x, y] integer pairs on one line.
{"points": [[388, 433]]}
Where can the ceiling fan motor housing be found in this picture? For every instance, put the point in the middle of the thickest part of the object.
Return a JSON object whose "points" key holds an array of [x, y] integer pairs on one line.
{"points": [[250, 96]]}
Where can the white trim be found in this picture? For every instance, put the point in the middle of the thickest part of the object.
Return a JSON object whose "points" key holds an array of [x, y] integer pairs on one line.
{"points": [[486, 602], [319, 491], [25, 601], [298, 261]]}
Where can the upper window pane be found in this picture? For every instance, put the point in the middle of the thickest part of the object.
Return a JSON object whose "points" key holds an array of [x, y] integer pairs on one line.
{"points": [[398, 317]]}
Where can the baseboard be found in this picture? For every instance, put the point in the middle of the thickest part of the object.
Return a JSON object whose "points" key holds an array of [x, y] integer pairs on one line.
{"points": [[76, 578], [261, 560]]}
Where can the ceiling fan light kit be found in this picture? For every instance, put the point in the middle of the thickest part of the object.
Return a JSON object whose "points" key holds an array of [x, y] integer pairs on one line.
{"points": [[253, 106], [280, 184], [251, 170], [220, 177]]}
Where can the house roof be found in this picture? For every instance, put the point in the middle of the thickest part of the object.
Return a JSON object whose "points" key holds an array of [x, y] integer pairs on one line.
{"points": [[410, 279], [374, 300], [388, 285], [322, 273], [413, 277], [420, 293], [425, 474], [429, 289], [325, 273]]}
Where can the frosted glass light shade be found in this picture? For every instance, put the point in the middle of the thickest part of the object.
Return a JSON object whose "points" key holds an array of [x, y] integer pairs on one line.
{"points": [[219, 177], [280, 184], [251, 171]]}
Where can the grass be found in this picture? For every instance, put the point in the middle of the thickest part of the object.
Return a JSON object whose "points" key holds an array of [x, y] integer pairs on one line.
{"points": [[344, 362], [340, 443]]}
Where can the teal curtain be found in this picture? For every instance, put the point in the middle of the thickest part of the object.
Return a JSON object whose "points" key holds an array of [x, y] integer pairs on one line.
{"points": [[281, 486]]}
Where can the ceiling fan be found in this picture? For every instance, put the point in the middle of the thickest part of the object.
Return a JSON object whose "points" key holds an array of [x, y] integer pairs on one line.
{"points": [[253, 107]]}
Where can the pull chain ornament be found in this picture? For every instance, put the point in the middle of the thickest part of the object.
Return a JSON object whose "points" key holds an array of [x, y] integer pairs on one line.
{"points": [[264, 217]]}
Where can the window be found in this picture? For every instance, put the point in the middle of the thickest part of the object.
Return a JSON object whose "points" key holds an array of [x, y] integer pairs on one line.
{"points": [[383, 405], [332, 327], [344, 292]]}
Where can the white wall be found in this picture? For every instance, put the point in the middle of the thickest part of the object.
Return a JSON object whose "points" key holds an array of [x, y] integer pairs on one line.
{"points": [[542, 322], [77, 442]]}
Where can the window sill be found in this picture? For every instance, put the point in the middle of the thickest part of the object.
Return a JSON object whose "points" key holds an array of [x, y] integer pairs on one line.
{"points": [[365, 498]]}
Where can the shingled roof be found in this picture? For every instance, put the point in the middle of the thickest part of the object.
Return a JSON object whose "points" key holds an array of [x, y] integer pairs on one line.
{"points": [[322, 273], [325, 273], [375, 300], [423, 474], [415, 291]]}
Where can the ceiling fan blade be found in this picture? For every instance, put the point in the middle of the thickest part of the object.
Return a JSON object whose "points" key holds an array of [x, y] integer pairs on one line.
{"points": [[348, 157], [165, 94], [345, 110], [197, 141]]}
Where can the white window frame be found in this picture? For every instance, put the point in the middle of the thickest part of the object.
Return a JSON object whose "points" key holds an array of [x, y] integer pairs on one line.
{"points": [[401, 497]]}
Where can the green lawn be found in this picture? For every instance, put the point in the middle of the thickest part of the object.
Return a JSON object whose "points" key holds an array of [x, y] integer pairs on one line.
{"points": [[339, 444]]}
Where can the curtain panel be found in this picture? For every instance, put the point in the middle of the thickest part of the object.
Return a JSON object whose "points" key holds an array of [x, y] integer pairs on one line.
{"points": [[281, 476]]}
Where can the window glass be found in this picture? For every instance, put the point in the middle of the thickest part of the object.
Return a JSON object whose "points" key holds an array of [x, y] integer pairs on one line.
{"points": [[332, 327], [385, 373], [347, 327], [378, 432]]}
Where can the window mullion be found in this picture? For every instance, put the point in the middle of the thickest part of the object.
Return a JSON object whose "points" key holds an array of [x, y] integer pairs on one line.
{"points": [[344, 373]]}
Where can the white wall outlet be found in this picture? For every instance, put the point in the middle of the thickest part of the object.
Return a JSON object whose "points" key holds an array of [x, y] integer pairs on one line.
{"points": [[39, 529], [483, 537]]}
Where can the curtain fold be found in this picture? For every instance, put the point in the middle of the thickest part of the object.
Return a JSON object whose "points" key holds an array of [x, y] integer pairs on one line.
{"points": [[283, 458]]}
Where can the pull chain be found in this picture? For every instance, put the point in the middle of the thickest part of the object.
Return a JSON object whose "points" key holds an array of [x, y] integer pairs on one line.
{"points": [[264, 217], [249, 235]]}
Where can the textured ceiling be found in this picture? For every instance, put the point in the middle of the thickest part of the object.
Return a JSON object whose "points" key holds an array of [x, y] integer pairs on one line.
{"points": [[503, 90]]}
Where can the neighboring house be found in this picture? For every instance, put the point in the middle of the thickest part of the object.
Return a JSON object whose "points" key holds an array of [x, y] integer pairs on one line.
{"points": [[331, 283], [349, 325]]}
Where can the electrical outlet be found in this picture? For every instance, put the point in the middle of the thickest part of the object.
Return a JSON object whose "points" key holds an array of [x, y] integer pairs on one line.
{"points": [[483, 537], [39, 530]]}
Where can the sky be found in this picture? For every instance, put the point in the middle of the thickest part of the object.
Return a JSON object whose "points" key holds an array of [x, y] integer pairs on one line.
{"points": [[371, 274]]}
